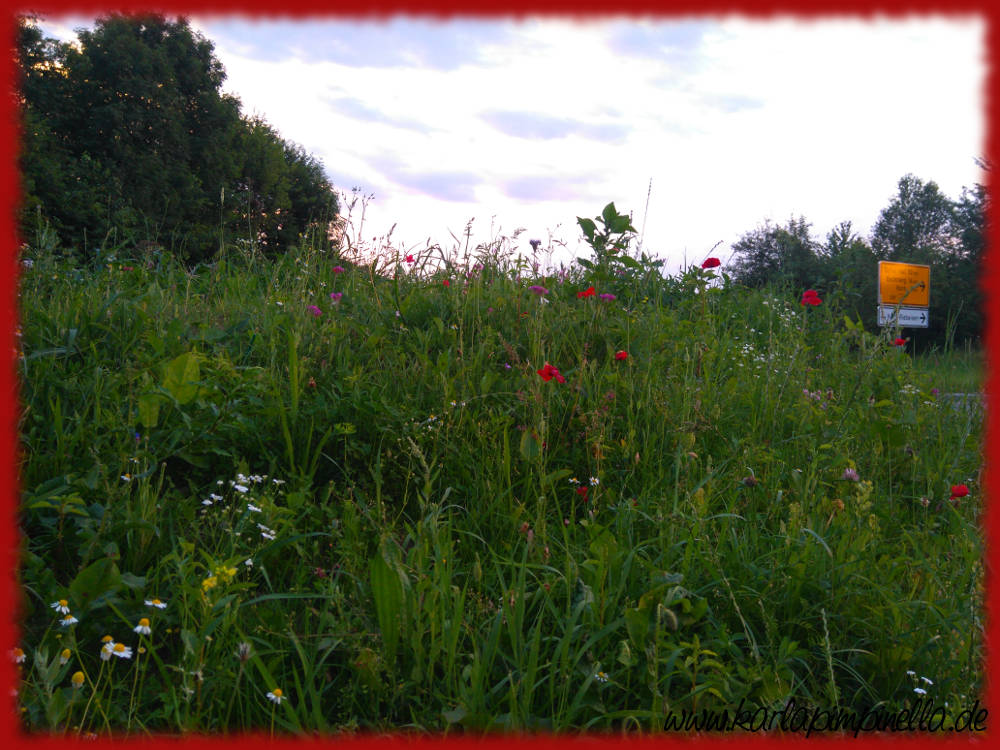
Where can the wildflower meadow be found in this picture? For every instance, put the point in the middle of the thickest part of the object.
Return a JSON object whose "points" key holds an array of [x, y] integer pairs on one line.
{"points": [[467, 491]]}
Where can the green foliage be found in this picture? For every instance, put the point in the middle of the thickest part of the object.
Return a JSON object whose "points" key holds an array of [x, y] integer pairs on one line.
{"points": [[129, 142], [920, 225], [394, 520]]}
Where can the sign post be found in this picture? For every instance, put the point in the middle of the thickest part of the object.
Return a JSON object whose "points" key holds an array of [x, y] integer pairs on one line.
{"points": [[904, 294]]}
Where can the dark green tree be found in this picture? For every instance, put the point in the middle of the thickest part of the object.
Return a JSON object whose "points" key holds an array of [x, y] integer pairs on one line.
{"points": [[852, 267], [786, 256], [127, 135], [916, 226], [922, 225]]}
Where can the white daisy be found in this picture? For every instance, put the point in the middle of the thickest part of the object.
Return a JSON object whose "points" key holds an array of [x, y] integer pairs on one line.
{"points": [[61, 606], [276, 695]]}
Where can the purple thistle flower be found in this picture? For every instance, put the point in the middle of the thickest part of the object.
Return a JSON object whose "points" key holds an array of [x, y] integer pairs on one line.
{"points": [[314, 310], [607, 297], [534, 244], [539, 290], [850, 475], [338, 269]]}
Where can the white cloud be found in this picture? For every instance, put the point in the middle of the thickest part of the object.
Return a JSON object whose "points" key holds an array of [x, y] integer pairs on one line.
{"points": [[529, 124]]}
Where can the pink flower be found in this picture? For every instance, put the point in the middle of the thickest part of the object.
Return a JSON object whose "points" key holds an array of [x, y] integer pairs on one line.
{"points": [[711, 263], [335, 296], [548, 372], [539, 290], [314, 310], [607, 297], [338, 269]]}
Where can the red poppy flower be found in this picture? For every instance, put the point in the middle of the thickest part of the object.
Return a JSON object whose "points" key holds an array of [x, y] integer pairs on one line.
{"points": [[899, 342], [810, 297], [446, 282], [621, 355], [711, 263], [409, 259], [548, 372], [959, 490], [588, 293], [582, 492]]}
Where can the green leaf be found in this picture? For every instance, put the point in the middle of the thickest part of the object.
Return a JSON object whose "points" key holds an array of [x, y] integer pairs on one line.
{"points": [[134, 582], [555, 476], [588, 226], [181, 376], [585, 263], [344, 428], [149, 409], [387, 580], [637, 624], [530, 448], [621, 224], [609, 214], [94, 582], [455, 715]]}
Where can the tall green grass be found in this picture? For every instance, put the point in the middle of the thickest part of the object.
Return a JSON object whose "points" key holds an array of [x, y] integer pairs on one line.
{"points": [[387, 514]]}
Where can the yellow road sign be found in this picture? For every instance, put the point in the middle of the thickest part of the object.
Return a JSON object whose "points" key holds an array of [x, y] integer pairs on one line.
{"points": [[904, 284]]}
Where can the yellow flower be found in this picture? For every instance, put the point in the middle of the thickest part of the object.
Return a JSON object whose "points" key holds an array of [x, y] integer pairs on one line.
{"points": [[64, 656], [209, 583]]}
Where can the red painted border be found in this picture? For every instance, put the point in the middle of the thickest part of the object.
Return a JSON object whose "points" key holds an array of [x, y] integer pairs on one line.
{"points": [[9, 732]]}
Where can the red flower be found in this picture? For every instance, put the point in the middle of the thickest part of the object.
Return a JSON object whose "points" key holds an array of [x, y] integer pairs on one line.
{"points": [[582, 491], [899, 342], [810, 297], [548, 372], [959, 490], [446, 282], [588, 293], [409, 259], [621, 355], [711, 263]]}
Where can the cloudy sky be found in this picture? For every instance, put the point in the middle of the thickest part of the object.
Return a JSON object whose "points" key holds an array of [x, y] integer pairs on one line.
{"points": [[529, 124]]}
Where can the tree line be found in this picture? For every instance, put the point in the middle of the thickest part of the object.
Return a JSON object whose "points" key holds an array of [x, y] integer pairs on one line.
{"points": [[919, 225], [127, 139]]}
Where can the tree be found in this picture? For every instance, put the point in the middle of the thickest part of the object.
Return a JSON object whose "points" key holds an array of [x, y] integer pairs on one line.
{"points": [[852, 267], [916, 225], [922, 225], [128, 132], [778, 255]]}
